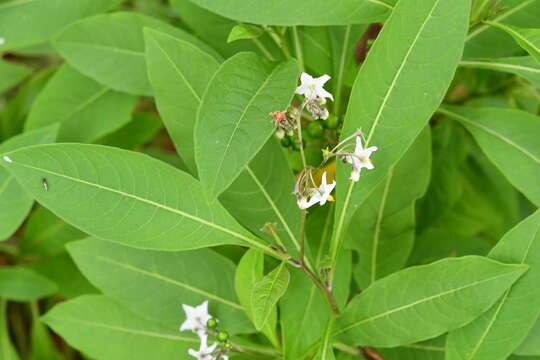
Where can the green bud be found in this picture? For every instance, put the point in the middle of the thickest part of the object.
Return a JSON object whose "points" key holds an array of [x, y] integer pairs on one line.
{"points": [[315, 129], [212, 323], [332, 122], [222, 336], [286, 141], [228, 346]]}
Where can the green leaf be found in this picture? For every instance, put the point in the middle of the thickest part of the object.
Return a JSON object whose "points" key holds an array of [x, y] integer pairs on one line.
{"points": [[484, 41], [326, 350], [233, 122], [249, 271], [244, 32], [168, 280], [22, 284], [383, 230], [178, 70], [510, 145], [141, 129], [498, 332], [528, 39], [531, 345], [11, 74], [422, 302], [399, 87], [524, 66], [309, 12], [267, 292], [126, 197], [86, 43], [24, 23], [104, 329], [262, 195], [43, 347], [46, 234], [7, 350], [427, 350], [15, 203], [85, 109]]}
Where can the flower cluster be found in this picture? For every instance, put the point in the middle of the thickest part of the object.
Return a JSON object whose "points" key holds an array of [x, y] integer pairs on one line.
{"points": [[199, 321], [315, 95], [307, 192]]}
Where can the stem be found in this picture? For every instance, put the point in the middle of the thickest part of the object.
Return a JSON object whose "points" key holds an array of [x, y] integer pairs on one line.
{"points": [[276, 236], [298, 48], [278, 39], [263, 49], [299, 134], [330, 299], [303, 214]]}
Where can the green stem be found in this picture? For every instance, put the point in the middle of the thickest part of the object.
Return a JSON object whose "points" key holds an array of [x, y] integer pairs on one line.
{"points": [[263, 49]]}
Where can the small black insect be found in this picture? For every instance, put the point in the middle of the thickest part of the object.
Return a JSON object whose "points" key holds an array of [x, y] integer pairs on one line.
{"points": [[45, 184]]}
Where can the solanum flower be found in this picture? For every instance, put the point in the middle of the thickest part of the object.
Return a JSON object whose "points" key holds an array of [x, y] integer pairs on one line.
{"points": [[7, 159], [320, 195], [313, 88], [196, 318], [205, 352], [360, 159]]}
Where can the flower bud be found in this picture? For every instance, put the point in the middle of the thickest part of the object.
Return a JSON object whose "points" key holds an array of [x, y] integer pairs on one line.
{"points": [[222, 336]]}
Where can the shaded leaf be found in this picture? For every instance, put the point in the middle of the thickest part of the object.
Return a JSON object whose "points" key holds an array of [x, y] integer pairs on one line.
{"points": [[423, 302], [11, 74], [168, 279], [510, 145], [524, 66], [7, 350], [141, 129], [233, 122], [85, 109], [103, 329], [528, 39], [99, 48], [22, 284]]}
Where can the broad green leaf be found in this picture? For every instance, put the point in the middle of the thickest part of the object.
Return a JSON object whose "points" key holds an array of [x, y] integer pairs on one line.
{"points": [[62, 270], [46, 234], [422, 302], [510, 145], [15, 203], [85, 109], [13, 117], [484, 41], [498, 332], [167, 280], [249, 271], [399, 87], [383, 230], [29, 22], [179, 72], [99, 48], [524, 66], [104, 329], [531, 345], [316, 48], [244, 32], [126, 197], [528, 39], [22, 284], [233, 122], [11, 74], [267, 292], [309, 12], [427, 350], [262, 195], [7, 350], [326, 350], [140, 130], [43, 346]]}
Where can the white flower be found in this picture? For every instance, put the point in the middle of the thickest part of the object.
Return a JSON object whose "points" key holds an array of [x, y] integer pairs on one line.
{"points": [[312, 88], [320, 195], [205, 352], [196, 318], [2, 41], [7, 159], [360, 159]]}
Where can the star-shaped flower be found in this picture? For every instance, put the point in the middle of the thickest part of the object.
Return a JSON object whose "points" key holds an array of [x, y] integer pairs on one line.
{"points": [[318, 195], [312, 88], [360, 159], [196, 318], [205, 352]]}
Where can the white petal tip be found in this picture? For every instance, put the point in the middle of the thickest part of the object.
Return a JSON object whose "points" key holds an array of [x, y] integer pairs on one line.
{"points": [[7, 159], [2, 41]]}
